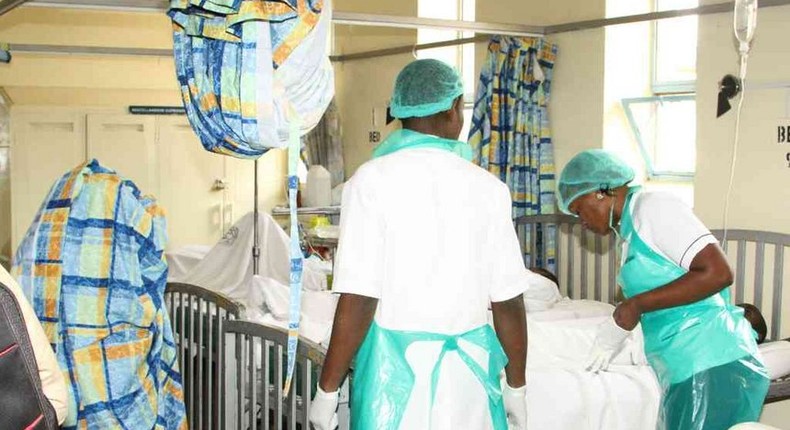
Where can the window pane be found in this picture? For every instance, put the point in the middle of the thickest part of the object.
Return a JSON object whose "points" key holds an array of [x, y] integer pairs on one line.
{"points": [[662, 5], [676, 50], [461, 57], [468, 71], [447, 54], [439, 9], [676, 129], [666, 132], [468, 110]]}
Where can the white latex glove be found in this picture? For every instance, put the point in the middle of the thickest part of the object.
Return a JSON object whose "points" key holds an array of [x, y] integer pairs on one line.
{"points": [[608, 343], [323, 410], [515, 400]]}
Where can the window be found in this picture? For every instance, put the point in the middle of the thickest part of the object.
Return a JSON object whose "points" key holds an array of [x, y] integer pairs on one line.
{"points": [[462, 57], [664, 123], [675, 50], [665, 128]]}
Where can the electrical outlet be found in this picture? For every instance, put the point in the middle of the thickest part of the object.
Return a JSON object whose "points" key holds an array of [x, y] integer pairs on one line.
{"points": [[374, 137]]}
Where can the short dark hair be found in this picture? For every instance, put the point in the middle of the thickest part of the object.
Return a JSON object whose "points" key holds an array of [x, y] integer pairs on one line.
{"points": [[755, 317]]}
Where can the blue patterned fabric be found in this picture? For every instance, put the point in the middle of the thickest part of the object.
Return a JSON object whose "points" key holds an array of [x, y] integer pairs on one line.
{"points": [[226, 56], [510, 134], [92, 264]]}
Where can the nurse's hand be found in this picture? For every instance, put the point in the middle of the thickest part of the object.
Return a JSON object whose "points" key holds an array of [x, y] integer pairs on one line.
{"points": [[515, 400], [323, 410], [608, 343], [627, 314]]}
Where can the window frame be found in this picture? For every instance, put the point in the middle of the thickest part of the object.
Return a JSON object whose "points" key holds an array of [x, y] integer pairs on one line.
{"points": [[652, 173], [657, 87], [662, 91], [463, 14]]}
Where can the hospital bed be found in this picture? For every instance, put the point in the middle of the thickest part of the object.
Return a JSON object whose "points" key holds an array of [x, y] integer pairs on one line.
{"points": [[260, 374], [198, 317], [233, 370], [586, 266]]}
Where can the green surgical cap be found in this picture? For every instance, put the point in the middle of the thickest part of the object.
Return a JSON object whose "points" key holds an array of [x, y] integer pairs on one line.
{"points": [[588, 171], [425, 88]]}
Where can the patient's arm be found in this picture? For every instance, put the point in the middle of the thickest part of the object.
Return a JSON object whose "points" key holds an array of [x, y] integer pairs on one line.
{"points": [[352, 320], [708, 274], [510, 322]]}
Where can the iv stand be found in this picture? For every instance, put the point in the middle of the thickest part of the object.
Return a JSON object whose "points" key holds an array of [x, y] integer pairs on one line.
{"points": [[256, 246]]}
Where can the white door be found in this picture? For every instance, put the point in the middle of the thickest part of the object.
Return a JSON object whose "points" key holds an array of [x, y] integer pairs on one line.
{"points": [[126, 144], [192, 185], [44, 147], [272, 184]]}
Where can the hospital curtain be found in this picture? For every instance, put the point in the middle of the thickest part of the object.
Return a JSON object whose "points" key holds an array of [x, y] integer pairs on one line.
{"points": [[510, 134], [322, 146]]}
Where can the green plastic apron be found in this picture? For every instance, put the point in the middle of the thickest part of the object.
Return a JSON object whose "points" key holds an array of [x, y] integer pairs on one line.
{"points": [[410, 139], [383, 379], [693, 348]]}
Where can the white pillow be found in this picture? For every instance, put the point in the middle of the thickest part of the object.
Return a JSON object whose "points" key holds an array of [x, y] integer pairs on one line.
{"points": [[776, 356], [542, 293]]}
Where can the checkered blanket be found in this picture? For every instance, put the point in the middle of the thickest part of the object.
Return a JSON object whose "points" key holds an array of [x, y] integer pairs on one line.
{"points": [[227, 54], [92, 265]]}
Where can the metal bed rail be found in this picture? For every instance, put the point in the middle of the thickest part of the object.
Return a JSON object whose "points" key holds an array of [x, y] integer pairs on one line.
{"points": [[585, 263], [778, 391], [758, 259], [198, 317], [260, 373]]}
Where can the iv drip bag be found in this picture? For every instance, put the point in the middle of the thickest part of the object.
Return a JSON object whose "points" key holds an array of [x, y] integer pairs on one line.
{"points": [[744, 23]]}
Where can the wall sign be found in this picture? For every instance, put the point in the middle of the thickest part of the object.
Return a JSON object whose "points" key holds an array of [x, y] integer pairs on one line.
{"points": [[782, 131], [157, 110], [781, 135]]}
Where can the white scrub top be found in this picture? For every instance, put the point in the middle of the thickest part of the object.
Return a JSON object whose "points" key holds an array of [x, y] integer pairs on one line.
{"points": [[431, 236], [669, 227]]}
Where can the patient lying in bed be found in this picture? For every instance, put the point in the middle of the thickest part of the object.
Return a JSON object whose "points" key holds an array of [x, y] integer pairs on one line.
{"points": [[544, 302], [776, 355]]}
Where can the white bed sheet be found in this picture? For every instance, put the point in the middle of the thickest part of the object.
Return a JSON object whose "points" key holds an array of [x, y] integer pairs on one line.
{"points": [[227, 267], [562, 395], [624, 398], [182, 260]]}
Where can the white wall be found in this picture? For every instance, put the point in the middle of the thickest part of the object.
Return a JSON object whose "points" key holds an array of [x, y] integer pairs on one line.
{"points": [[760, 196], [364, 86]]}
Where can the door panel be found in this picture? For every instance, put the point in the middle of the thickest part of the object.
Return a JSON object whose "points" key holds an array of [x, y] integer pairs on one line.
{"points": [[190, 193], [126, 144], [45, 145]]}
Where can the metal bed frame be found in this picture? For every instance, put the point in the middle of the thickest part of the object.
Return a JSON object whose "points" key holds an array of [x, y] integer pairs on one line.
{"points": [[581, 257], [223, 362], [198, 317], [260, 373]]}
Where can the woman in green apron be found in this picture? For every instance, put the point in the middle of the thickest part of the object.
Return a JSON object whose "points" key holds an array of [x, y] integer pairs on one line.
{"points": [[675, 278]]}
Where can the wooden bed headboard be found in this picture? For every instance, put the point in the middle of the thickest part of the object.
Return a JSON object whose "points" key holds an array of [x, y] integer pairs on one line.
{"points": [[586, 264]]}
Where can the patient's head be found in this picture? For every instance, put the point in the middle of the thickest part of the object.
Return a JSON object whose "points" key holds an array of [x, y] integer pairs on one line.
{"points": [[546, 274], [755, 318]]}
